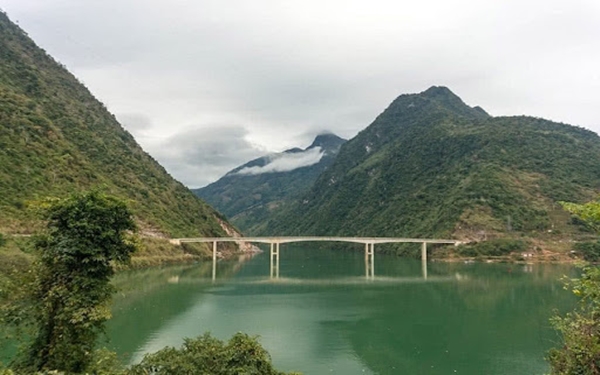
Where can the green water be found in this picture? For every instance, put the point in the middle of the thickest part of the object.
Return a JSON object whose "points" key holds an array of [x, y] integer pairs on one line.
{"points": [[323, 316]]}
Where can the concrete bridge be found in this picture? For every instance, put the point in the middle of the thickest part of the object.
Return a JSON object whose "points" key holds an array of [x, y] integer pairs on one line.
{"points": [[276, 241]]}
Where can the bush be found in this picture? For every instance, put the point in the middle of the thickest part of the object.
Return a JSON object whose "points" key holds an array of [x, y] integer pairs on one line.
{"points": [[496, 247], [590, 251], [208, 355], [2, 240], [68, 300], [580, 330]]}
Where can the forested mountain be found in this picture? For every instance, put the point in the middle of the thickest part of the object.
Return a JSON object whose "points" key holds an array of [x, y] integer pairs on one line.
{"points": [[56, 138], [431, 166], [249, 194]]}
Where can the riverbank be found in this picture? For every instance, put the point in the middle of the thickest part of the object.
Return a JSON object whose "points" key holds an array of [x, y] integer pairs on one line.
{"points": [[16, 254]]}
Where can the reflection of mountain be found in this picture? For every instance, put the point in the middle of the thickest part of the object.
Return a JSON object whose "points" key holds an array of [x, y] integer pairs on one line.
{"points": [[250, 193], [494, 322], [148, 299], [493, 319]]}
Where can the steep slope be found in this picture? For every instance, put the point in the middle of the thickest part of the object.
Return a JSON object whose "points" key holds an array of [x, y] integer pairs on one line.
{"points": [[249, 194], [55, 137], [430, 165]]}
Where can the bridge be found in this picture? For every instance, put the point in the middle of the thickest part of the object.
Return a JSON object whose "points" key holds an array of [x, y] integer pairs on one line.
{"points": [[369, 243]]}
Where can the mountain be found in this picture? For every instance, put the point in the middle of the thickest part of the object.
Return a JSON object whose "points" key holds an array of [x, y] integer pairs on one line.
{"points": [[56, 138], [250, 193], [432, 166]]}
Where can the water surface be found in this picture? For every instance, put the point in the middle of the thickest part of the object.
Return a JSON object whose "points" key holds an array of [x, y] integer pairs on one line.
{"points": [[323, 316]]}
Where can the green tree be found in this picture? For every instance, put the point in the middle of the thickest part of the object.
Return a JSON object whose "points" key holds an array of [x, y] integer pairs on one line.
{"points": [[580, 329], [208, 355], [69, 299]]}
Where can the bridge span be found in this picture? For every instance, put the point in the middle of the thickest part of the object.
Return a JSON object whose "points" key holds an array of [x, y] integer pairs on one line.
{"points": [[276, 241]]}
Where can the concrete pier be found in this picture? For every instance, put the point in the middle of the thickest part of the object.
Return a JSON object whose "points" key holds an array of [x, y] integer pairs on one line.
{"points": [[424, 259], [214, 262], [369, 261], [274, 269]]}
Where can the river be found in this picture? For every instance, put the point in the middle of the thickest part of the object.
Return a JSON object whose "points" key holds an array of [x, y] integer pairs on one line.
{"points": [[323, 316]]}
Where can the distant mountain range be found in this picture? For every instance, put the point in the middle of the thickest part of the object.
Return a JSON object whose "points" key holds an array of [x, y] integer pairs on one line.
{"points": [[432, 166], [249, 194], [56, 138]]}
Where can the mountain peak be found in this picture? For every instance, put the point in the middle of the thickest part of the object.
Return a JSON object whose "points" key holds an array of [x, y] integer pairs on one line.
{"points": [[443, 95], [327, 141], [438, 91], [445, 98]]}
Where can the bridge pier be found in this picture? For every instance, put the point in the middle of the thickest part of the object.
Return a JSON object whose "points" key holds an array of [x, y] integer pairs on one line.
{"points": [[424, 259], [274, 260], [214, 262], [369, 260]]}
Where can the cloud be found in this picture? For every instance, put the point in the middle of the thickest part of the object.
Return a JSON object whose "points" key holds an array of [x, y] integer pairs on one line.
{"points": [[199, 156], [285, 162], [136, 123], [278, 70]]}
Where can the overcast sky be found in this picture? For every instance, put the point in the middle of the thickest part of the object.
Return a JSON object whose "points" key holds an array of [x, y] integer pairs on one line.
{"points": [[207, 85]]}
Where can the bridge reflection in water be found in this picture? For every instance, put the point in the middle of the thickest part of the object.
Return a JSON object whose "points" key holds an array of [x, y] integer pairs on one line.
{"points": [[275, 242]]}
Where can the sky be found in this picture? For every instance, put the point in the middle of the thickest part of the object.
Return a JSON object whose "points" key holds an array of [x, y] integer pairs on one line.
{"points": [[207, 85]]}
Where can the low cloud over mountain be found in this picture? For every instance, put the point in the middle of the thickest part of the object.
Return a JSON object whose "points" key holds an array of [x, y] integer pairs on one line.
{"points": [[285, 162]]}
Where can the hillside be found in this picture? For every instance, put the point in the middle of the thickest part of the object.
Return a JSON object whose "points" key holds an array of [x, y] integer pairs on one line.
{"points": [[431, 166], [249, 194], [55, 138]]}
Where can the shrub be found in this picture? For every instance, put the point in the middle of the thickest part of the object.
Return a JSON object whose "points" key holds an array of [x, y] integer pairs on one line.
{"points": [[580, 329], [496, 247], [68, 301], [590, 251], [208, 355]]}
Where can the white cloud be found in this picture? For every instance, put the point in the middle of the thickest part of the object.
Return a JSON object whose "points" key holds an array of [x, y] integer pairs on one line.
{"points": [[285, 162], [279, 69], [198, 156]]}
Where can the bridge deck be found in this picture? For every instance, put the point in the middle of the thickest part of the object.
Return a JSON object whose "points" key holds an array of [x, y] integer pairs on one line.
{"points": [[364, 240]]}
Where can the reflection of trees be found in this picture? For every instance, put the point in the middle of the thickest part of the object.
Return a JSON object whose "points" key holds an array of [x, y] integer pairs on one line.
{"points": [[148, 298], [399, 320], [466, 325]]}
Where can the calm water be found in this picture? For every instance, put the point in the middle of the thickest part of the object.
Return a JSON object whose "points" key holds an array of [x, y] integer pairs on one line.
{"points": [[322, 316]]}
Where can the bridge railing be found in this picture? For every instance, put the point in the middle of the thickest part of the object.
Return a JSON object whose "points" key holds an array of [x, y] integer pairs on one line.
{"points": [[290, 239]]}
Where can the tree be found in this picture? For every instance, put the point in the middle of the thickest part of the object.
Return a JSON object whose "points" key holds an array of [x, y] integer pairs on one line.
{"points": [[580, 329], [69, 299], [589, 213], [208, 355]]}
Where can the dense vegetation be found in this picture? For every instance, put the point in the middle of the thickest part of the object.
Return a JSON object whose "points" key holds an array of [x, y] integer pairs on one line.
{"points": [[208, 355], [68, 299], [56, 138], [65, 301], [249, 200], [580, 328], [431, 166], [492, 248]]}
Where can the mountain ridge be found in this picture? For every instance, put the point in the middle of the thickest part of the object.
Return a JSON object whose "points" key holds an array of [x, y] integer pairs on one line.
{"points": [[56, 138], [430, 165], [246, 197]]}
